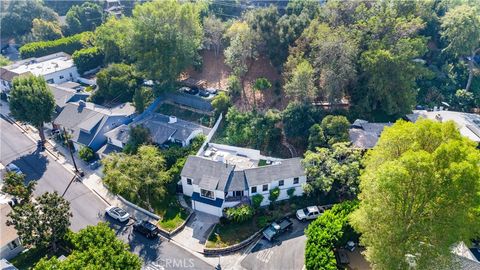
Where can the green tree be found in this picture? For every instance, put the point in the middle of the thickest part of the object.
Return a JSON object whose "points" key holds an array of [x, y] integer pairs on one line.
{"points": [[273, 194], [32, 102], [297, 118], [138, 136], [86, 154], [301, 85], [461, 29], [419, 195], [116, 82], [335, 169], [234, 86], [14, 184], [113, 38], [42, 223], [213, 29], [94, 247], [260, 84], [4, 61], [142, 97], [221, 103], [139, 178], [43, 30], [87, 59], [465, 99], [335, 128], [85, 17], [177, 30], [257, 200], [316, 137]]}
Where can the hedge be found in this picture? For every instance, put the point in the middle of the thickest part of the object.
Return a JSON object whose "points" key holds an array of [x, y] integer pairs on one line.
{"points": [[41, 48], [88, 58]]}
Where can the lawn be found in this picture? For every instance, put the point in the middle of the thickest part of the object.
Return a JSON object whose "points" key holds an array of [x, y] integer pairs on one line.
{"points": [[173, 216], [29, 258], [184, 114]]}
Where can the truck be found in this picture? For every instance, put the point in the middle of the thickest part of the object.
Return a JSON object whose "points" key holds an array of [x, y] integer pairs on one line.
{"points": [[312, 212], [276, 228]]}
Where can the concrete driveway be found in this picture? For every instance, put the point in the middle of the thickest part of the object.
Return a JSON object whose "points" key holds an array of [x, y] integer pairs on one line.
{"points": [[285, 253], [196, 231]]}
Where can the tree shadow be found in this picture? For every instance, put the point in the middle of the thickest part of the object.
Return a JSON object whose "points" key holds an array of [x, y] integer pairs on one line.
{"points": [[33, 165]]}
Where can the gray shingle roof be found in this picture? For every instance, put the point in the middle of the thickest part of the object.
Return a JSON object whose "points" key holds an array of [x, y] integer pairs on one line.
{"points": [[197, 168], [365, 135], [120, 133], [237, 182], [287, 168]]}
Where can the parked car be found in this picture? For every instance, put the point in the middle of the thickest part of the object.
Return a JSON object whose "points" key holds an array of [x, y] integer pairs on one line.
{"points": [[212, 90], [309, 213], [350, 246], [117, 213], [276, 228], [94, 165], [13, 168], [188, 90], [146, 228], [203, 93]]}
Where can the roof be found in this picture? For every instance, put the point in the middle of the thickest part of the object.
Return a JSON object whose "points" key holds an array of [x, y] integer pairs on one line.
{"points": [[201, 169], [8, 75], [468, 123], [237, 182], [6, 265], [8, 232], [39, 66], [365, 135], [120, 133], [286, 168], [217, 202], [108, 149]]}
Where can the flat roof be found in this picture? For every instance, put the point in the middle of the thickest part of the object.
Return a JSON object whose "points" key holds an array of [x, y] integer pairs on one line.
{"points": [[8, 232], [42, 65]]}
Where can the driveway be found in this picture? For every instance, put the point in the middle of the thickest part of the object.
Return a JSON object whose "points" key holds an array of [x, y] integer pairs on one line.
{"points": [[287, 252], [196, 231]]}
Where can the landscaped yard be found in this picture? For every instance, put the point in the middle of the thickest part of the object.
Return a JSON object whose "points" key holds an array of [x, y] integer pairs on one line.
{"points": [[173, 216], [184, 114]]}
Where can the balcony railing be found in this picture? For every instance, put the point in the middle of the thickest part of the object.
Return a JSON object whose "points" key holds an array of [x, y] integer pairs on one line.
{"points": [[244, 199]]}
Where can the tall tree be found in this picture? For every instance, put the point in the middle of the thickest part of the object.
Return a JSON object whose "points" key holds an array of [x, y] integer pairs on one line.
{"points": [[43, 222], [113, 38], [138, 136], [172, 26], [32, 102], [116, 82], [43, 30], [335, 128], [301, 86], [461, 29], [420, 193], [14, 184], [85, 17], [214, 29]]}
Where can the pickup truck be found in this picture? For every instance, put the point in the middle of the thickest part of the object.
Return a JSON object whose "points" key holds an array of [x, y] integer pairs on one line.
{"points": [[276, 228], [311, 212]]}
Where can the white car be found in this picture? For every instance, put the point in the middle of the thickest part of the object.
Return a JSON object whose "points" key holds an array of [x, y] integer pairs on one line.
{"points": [[13, 168], [311, 212], [117, 213]]}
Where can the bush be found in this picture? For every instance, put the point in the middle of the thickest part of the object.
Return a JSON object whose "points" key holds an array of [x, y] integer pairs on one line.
{"points": [[262, 221], [274, 193], [67, 44], [86, 154], [233, 86], [88, 58], [240, 214], [257, 200], [291, 192]]}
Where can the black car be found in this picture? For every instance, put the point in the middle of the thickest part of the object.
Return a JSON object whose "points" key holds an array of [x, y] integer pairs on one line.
{"points": [[203, 93], [146, 228], [188, 90]]}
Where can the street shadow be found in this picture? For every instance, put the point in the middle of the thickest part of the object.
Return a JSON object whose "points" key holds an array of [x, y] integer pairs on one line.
{"points": [[298, 230], [33, 165], [147, 249]]}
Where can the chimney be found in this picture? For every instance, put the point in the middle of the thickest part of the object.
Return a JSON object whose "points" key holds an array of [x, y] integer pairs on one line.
{"points": [[172, 119], [81, 103]]}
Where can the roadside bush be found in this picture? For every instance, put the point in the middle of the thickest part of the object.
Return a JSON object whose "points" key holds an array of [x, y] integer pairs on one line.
{"points": [[257, 200], [86, 154], [88, 58], [291, 192], [240, 214], [67, 44], [274, 193]]}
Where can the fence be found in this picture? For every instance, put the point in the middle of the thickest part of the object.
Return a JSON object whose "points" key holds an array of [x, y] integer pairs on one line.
{"points": [[210, 134], [222, 251]]}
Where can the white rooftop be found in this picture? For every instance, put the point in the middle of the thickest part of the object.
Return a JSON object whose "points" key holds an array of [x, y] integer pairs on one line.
{"points": [[43, 65]]}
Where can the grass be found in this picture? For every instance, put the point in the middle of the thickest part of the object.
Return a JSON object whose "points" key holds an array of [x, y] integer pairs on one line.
{"points": [[172, 216], [170, 109], [262, 162], [29, 258]]}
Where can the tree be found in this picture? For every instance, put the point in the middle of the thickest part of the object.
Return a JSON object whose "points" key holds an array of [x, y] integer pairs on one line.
{"points": [[221, 103], [301, 86], [19, 17], [117, 82], [85, 17], [335, 128], [86, 154], [335, 170], [461, 29], [297, 118], [273, 194], [261, 84], [94, 247], [87, 59], [43, 30], [139, 178], [316, 137], [138, 136], [142, 98], [465, 99], [113, 38], [42, 223], [234, 86], [241, 213], [177, 30], [257, 200], [14, 184], [213, 29], [32, 102], [419, 195]]}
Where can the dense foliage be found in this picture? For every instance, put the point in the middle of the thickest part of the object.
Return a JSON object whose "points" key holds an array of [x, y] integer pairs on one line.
{"points": [[116, 83], [67, 44], [43, 30], [113, 38], [14, 184], [86, 154], [241, 213], [419, 195], [84, 17], [138, 135], [87, 59]]}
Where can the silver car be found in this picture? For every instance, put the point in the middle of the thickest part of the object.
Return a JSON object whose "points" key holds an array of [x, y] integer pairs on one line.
{"points": [[117, 213]]}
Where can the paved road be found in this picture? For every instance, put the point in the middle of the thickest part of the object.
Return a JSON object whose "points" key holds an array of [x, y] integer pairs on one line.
{"points": [[87, 208], [286, 253]]}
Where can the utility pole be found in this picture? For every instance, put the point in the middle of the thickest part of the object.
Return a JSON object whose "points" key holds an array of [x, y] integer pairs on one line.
{"points": [[65, 135]]}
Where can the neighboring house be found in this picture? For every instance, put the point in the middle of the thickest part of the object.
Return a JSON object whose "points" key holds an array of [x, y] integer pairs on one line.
{"points": [[225, 176], [468, 123], [364, 135], [55, 68], [67, 92], [87, 122], [113, 8], [10, 244]]}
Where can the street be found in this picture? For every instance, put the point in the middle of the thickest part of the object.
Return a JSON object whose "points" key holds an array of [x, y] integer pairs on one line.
{"points": [[86, 207]]}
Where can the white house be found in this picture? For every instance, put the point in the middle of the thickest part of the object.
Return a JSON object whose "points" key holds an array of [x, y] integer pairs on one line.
{"points": [[225, 176], [55, 68], [10, 244]]}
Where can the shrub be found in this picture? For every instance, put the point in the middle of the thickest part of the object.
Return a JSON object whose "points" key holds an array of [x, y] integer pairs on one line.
{"points": [[257, 200], [262, 221], [274, 193], [88, 58], [234, 86], [240, 214], [86, 154], [291, 192], [67, 44]]}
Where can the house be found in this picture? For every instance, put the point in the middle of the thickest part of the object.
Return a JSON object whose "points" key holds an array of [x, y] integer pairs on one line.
{"points": [[55, 68], [163, 129], [88, 122], [364, 135], [113, 8], [225, 176], [67, 92], [10, 244], [468, 123]]}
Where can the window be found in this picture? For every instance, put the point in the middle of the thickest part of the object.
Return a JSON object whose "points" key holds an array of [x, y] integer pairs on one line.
{"points": [[61, 77], [264, 187], [189, 181], [254, 189], [207, 194], [281, 183], [295, 180], [13, 244], [50, 81]]}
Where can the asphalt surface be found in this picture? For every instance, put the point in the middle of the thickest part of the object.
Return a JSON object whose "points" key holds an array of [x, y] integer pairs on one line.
{"points": [[86, 207]]}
